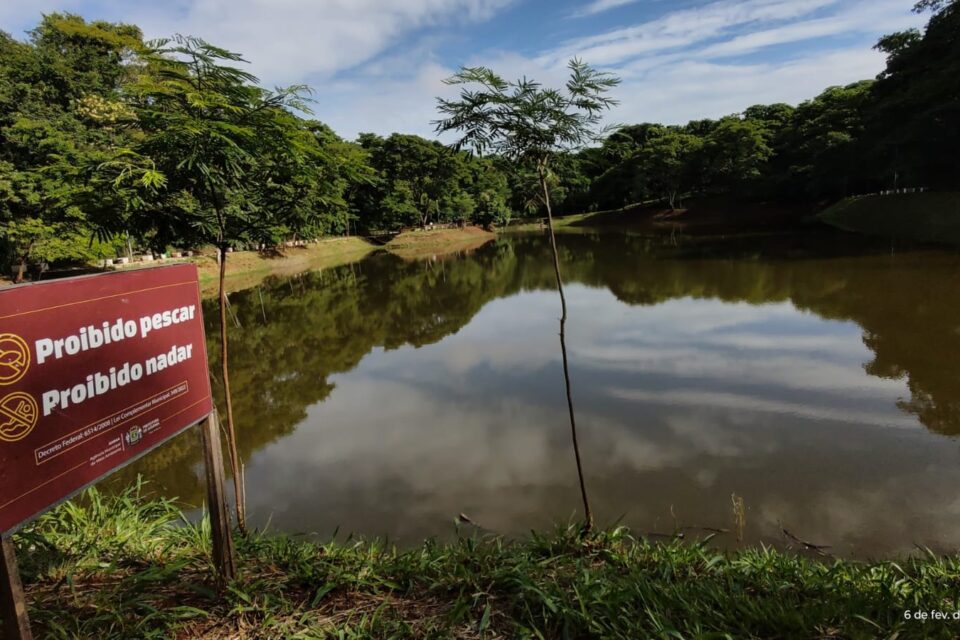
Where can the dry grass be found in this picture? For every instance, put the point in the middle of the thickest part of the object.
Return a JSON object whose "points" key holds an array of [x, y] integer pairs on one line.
{"points": [[246, 269], [416, 245]]}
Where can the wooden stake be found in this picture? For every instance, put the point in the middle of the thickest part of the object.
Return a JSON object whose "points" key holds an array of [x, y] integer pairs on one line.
{"points": [[223, 557], [16, 623]]}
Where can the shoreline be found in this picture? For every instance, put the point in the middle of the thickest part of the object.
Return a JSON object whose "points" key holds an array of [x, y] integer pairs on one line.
{"points": [[931, 217], [83, 558], [430, 244], [704, 215], [246, 269]]}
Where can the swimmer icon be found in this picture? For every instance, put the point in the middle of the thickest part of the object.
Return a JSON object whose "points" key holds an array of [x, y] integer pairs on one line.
{"points": [[18, 416]]}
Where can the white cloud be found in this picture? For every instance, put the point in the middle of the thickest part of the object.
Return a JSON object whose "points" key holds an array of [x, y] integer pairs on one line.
{"points": [[285, 40], [734, 402], [309, 41], [295, 40], [384, 103], [856, 18], [687, 90], [376, 66], [599, 6], [679, 29], [684, 65]]}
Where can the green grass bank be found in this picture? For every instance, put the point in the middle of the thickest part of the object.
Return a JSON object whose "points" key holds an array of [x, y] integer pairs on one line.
{"points": [[130, 567], [916, 217], [708, 215]]}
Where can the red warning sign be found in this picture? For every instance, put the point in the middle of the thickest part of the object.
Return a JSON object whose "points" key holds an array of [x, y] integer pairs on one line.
{"points": [[94, 372]]}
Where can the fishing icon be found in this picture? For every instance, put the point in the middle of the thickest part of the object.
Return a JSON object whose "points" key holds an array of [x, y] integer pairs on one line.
{"points": [[14, 358]]}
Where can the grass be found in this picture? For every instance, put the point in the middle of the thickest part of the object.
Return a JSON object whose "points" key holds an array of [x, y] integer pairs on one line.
{"points": [[246, 269], [918, 217], [707, 214], [129, 566], [414, 245], [559, 222]]}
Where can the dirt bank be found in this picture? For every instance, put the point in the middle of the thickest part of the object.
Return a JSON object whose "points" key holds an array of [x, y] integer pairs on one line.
{"points": [[246, 269], [415, 245]]}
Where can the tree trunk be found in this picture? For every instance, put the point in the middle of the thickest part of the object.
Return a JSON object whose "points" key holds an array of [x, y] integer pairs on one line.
{"points": [[587, 514], [238, 483], [22, 267], [21, 270]]}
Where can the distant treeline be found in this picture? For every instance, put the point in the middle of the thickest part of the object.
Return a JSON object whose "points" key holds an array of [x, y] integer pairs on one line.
{"points": [[91, 160], [900, 130]]}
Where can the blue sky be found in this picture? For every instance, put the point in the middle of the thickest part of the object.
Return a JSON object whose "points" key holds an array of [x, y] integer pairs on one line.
{"points": [[377, 65]]}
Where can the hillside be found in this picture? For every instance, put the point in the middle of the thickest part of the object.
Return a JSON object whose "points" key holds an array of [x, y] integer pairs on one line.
{"points": [[917, 217]]}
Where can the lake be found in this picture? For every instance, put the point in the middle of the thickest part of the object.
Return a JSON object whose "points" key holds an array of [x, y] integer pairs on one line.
{"points": [[813, 375]]}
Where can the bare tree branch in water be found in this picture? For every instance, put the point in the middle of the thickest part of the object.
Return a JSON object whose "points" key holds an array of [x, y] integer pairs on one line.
{"points": [[530, 124]]}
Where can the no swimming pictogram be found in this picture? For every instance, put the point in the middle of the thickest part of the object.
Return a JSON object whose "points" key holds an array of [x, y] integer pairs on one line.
{"points": [[18, 416]]}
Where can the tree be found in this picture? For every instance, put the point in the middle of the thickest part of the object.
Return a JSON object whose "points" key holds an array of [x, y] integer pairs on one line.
{"points": [[339, 168], [217, 160], [420, 181], [826, 138], [735, 151], [55, 93], [932, 5], [489, 191], [666, 162], [915, 110], [618, 180], [531, 125]]}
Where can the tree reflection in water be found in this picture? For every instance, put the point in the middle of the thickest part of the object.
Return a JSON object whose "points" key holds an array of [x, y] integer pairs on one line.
{"points": [[324, 323]]}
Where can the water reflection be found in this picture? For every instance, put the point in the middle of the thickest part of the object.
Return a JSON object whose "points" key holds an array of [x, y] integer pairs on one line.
{"points": [[386, 397]]}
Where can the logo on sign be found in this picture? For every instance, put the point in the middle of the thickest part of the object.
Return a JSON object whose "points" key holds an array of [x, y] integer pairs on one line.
{"points": [[14, 358], [133, 435], [18, 416]]}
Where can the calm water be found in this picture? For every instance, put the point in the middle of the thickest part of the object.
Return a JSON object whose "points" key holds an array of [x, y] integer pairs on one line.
{"points": [[820, 384]]}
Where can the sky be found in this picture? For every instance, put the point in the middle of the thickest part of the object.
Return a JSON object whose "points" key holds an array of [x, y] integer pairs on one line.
{"points": [[378, 65]]}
